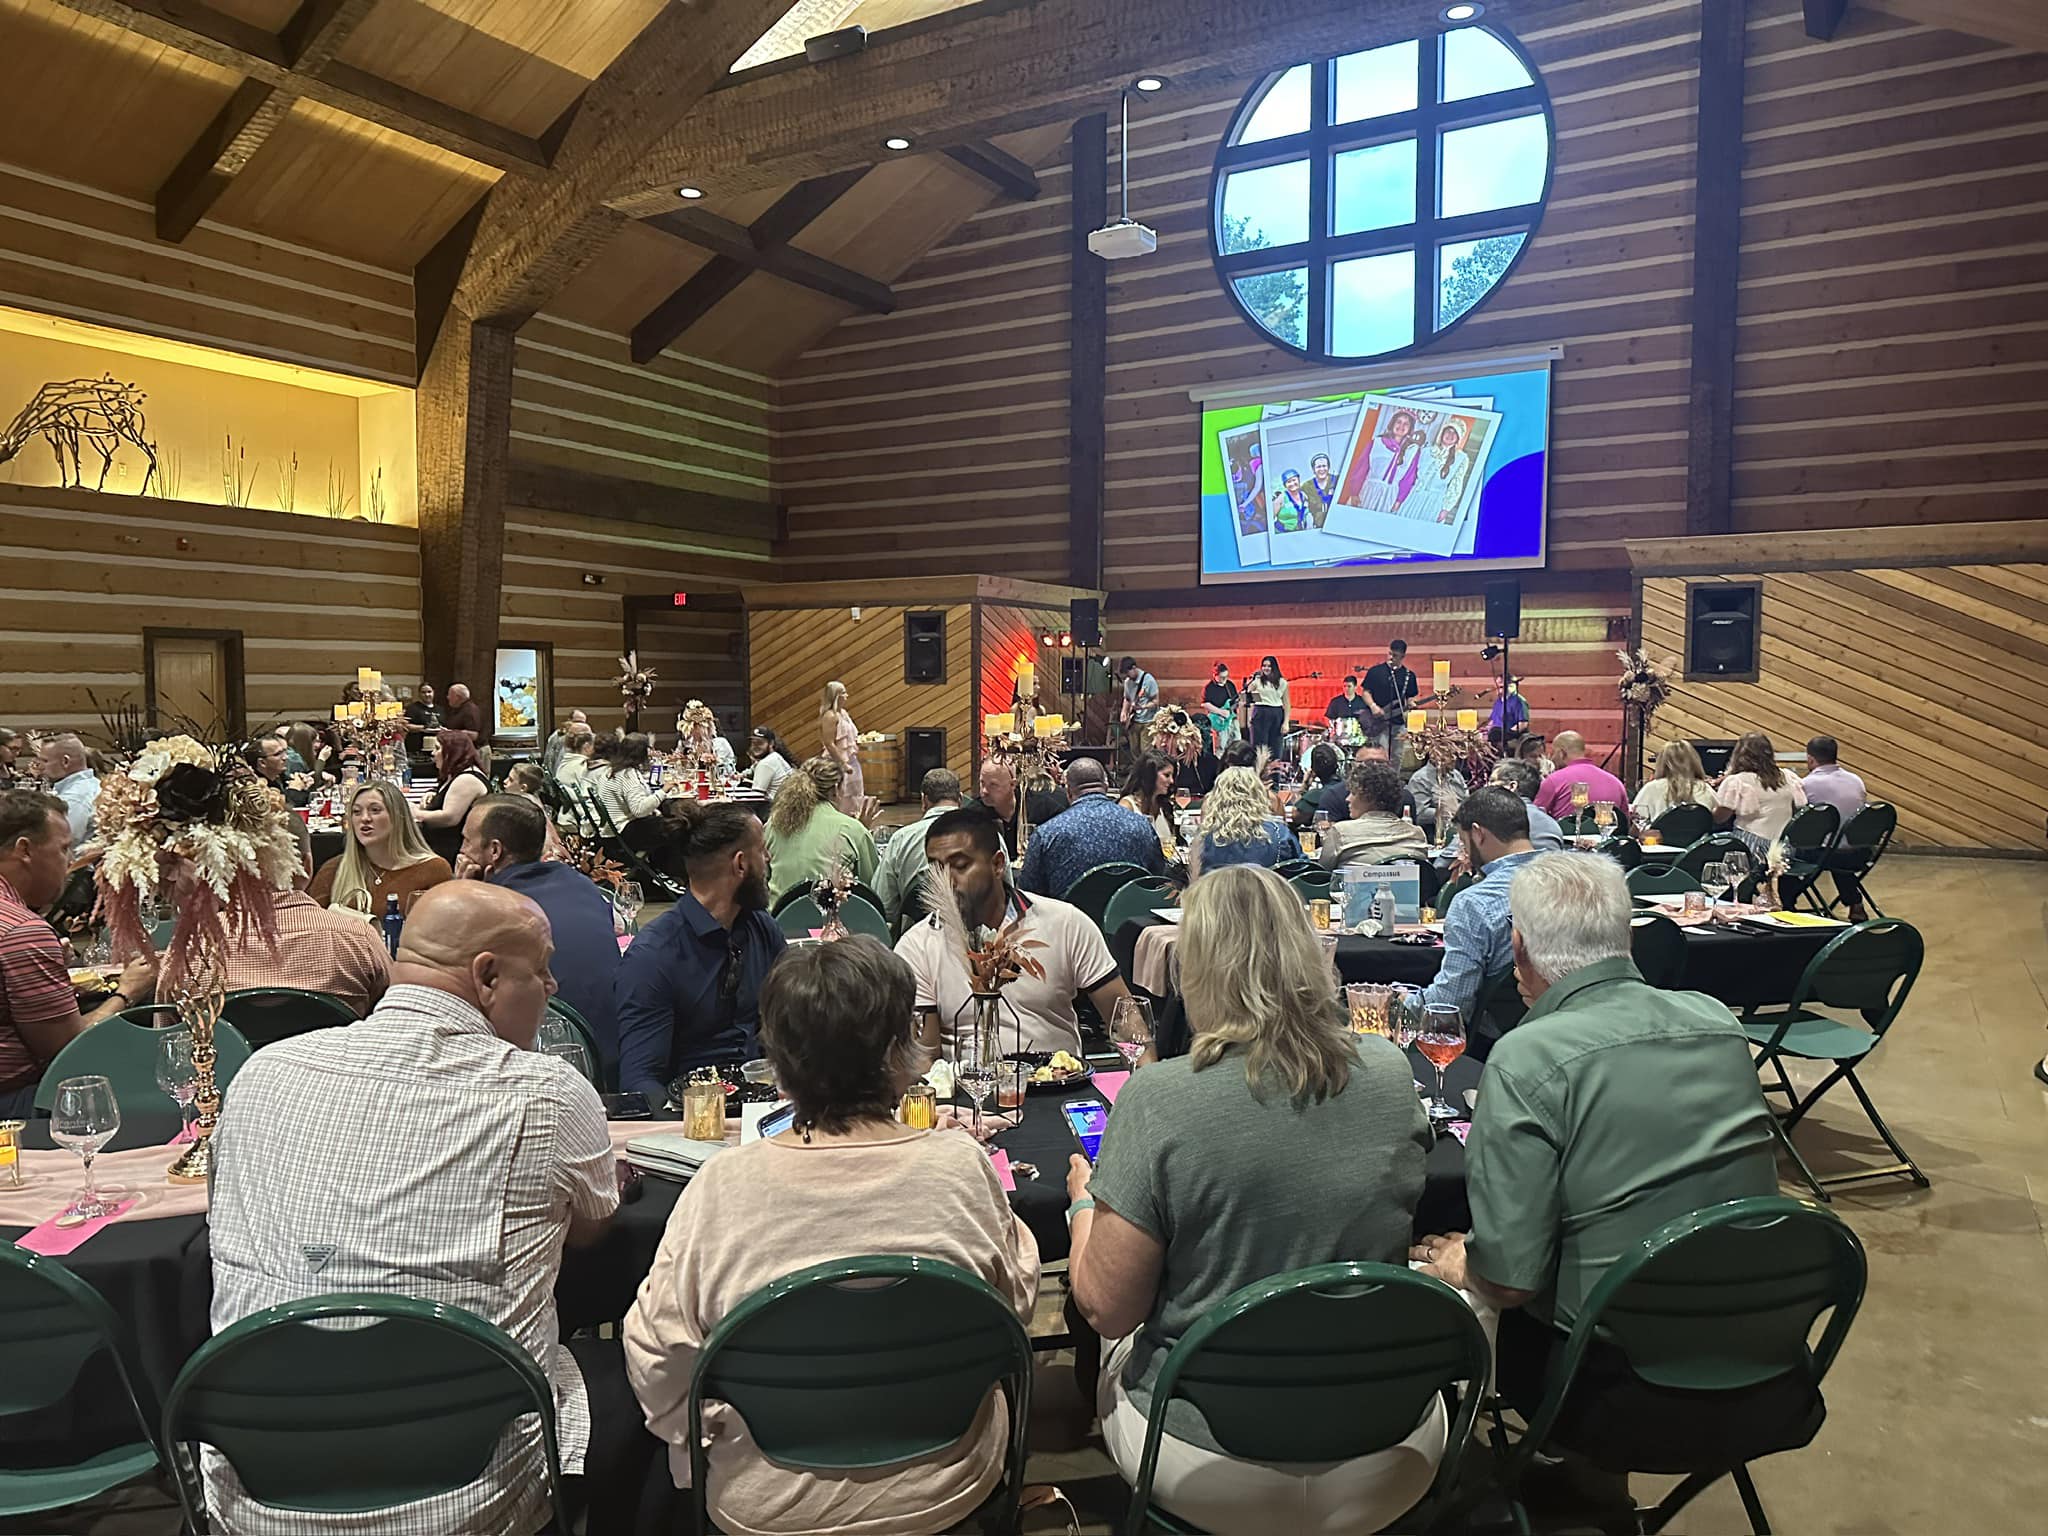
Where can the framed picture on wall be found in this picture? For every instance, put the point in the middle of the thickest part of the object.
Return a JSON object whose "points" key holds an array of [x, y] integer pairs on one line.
{"points": [[522, 694]]}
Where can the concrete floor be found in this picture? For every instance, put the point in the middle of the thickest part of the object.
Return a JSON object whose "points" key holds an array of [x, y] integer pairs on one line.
{"points": [[1938, 1411]]}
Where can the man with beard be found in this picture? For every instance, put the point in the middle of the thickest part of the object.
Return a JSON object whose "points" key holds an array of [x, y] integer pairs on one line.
{"points": [[688, 990], [968, 847]]}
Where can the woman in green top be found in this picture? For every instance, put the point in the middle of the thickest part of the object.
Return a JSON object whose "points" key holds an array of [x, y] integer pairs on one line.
{"points": [[808, 836], [1279, 1141]]}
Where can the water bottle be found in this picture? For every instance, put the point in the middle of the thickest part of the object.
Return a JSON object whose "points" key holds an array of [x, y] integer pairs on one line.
{"points": [[1383, 908], [405, 769], [394, 923], [1337, 906]]}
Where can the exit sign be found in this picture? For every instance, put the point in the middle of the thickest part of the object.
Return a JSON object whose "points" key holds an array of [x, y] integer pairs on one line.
{"points": [[682, 599]]}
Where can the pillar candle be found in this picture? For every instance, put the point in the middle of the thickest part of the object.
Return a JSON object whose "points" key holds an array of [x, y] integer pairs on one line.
{"points": [[363, 676], [1047, 725], [1468, 719], [1027, 680], [1417, 719], [1441, 672], [341, 711], [998, 725]]}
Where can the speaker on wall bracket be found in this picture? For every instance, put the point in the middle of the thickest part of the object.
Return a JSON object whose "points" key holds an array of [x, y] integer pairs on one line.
{"points": [[1721, 630], [1084, 619], [924, 647], [1504, 609]]}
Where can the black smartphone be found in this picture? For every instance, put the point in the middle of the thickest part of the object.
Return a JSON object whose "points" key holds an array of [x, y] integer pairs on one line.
{"points": [[625, 1106], [1087, 1117], [776, 1121]]}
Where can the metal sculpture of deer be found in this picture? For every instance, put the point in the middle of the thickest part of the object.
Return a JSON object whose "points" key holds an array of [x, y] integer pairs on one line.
{"points": [[96, 412]]}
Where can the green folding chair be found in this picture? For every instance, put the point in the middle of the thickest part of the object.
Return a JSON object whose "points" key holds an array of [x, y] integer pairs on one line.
{"points": [[1449, 891], [1287, 869], [1716, 1302], [1322, 1364], [1684, 825], [1625, 851], [1137, 900], [1655, 880], [865, 1363], [1711, 849], [51, 1324], [1861, 844], [1869, 968], [1092, 891], [1497, 1007], [1314, 884], [334, 1421], [124, 1053], [1658, 947], [266, 1015]]}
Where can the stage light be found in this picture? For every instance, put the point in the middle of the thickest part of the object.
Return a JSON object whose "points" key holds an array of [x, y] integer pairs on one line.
{"points": [[1066, 640], [897, 142], [1469, 11], [1150, 83], [689, 194]]}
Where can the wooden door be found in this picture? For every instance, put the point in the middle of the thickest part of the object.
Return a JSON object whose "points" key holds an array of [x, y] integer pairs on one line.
{"points": [[192, 681]]}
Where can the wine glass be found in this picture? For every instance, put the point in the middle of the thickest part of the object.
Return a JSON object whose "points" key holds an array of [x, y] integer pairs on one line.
{"points": [[1737, 866], [572, 1052], [85, 1118], [1715, 878], [1183, 797], [1441, 1041], [975, 1055], [176, 1075], [1130, 1027], [628, 899]]}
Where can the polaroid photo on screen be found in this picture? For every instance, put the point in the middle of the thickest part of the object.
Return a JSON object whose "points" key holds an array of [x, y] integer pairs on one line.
{"points": [[1303, 443], [1245, 484], [1468, 531], [1414, 473]]}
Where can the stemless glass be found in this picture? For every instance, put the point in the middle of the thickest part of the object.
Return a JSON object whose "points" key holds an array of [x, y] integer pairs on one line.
{"points": [[176, 1075], [628, 899], [1441, 1041], [572, 1052], [85, 1118], [1130, 1028]]}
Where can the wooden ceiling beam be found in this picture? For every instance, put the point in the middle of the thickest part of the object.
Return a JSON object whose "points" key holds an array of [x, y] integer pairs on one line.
{"points": [[998, 167], [1823, 17], [244, 125], [762, 246], [998, 66], [197, 29]]}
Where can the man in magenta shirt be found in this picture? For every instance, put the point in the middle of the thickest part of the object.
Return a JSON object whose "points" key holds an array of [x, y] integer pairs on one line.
{"points": [[1574, 767]]}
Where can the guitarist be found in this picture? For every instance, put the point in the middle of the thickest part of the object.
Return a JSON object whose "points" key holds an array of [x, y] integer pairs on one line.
{"points": [[1391, 689], [1141, 704]]}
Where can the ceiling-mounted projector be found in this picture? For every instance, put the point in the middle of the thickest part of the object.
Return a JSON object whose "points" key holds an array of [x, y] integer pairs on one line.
{"points": [[1120, 238]]}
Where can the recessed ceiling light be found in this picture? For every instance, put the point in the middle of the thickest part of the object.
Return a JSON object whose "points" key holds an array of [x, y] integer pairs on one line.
{"points": [[1150, 82], [896, 142], [1464, 12], [691, 193]]}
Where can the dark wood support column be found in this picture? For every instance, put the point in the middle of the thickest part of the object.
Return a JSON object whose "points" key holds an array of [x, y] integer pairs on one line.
{"points": [[464, 416], [1087, 353], [1716, 260]]}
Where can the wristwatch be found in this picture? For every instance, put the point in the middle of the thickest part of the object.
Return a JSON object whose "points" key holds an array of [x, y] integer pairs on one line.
{"points": [[120, 997]]}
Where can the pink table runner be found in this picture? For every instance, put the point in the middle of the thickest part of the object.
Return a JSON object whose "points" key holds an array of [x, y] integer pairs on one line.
{"points": [[52, 1180]]}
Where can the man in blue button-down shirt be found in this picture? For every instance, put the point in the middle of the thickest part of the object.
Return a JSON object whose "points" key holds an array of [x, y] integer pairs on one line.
{"points": [[688, 990], [1478, 932], [1092, 830]]}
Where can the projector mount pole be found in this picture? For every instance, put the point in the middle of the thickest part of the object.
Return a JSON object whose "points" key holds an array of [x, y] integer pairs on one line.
{"points": [[1123, 149]]}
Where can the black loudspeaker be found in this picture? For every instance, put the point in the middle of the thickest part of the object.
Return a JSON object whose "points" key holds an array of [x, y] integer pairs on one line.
{"points": [[1073, 674], [924, 748], [1503, 609], [924, 647], [1714, 755], [1084, 618], [1720, 629]]}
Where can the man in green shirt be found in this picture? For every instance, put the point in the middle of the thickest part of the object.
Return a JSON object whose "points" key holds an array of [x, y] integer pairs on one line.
{"points": [[900, 865], [1611, 1109]]}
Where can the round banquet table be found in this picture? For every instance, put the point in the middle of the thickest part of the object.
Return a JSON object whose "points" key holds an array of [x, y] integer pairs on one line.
{"points": [[1742, 967]]}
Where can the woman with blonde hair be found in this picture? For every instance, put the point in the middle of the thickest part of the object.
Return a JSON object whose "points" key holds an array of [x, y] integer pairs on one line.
{"points": [[809, 836], [842, 745], [1755, 793], [1680, 780], [384, 855], [1317, 1140], [1239, 827]]}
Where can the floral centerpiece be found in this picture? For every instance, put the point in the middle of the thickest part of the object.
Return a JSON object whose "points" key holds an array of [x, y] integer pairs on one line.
{"points": [[830, 891], [195, 825], [697, 726], [1643, 689], [993, 958], [635, 682]]}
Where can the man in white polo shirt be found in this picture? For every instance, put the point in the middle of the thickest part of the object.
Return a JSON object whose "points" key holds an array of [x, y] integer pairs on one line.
{"points": [[967, 844]]}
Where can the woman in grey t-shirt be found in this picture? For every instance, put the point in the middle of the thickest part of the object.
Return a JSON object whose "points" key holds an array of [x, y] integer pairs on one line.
{"points": [[1281, 1140]]}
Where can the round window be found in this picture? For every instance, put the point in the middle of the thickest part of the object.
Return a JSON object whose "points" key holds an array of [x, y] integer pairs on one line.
{"points": [[1364, 205]]}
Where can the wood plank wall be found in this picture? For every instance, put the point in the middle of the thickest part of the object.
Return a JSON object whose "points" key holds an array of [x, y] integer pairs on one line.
{"points": [[1928, 678], [793, 652], [72, 250], [580, 402], [697, 653], [1009, 635], [81, 576], [1893, 363], [547, 554]]}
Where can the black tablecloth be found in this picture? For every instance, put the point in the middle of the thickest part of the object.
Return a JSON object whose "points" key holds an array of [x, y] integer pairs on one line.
{"points": [[1741, 967]]}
